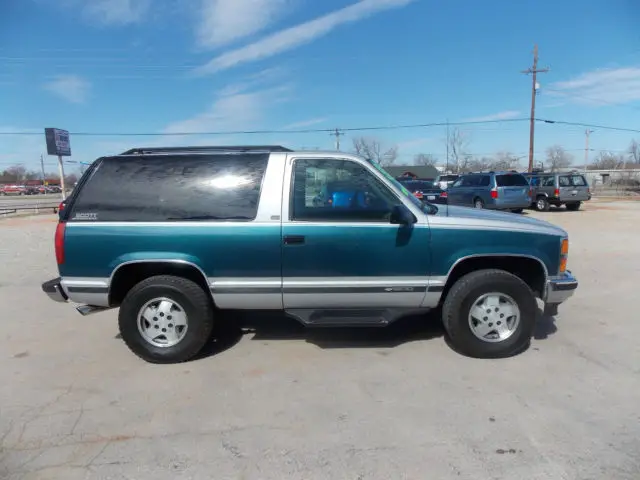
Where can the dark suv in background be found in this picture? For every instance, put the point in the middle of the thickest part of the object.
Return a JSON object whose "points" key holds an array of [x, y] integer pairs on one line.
{"points": [[557, 189], [495, 190]]}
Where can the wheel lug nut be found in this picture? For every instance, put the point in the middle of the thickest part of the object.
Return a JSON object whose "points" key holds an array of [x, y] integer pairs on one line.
{"points": [[156, 327], [489, 310], [155, 319], [502, 315], [491, 324], [168, 317], [170, 325], [164, 329], [161, 314]]}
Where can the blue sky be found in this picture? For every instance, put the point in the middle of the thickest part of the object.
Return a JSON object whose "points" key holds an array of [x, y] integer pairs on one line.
{"points": [[195, 66]]}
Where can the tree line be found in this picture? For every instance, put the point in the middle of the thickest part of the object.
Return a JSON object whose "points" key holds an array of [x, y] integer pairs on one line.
{"points": [[460, 160], [18, 174]]}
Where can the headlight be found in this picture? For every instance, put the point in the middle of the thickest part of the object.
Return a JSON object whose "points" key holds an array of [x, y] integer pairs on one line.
{"points": [[564, 254]]}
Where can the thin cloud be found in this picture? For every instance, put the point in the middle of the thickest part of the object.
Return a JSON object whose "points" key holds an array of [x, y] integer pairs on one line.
{"points": [[300, 34], [506, 115], [71, 88], [615, 86], [235, 110], [112, 12], [225, 21], [304, 123]]}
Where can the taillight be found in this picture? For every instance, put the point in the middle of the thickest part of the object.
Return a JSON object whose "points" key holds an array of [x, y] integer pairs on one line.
{"points": [[61, 206], [494, 193], [556, 192], [418, 194], [530, 192], [444, 195], [59, 242]]}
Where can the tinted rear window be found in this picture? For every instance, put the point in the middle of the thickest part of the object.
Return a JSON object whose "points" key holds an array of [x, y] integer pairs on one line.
{"points": [[513, 180], [415, 186], [447, 178], [172, 188]]}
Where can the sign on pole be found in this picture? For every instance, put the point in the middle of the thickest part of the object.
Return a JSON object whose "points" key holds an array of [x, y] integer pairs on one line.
{"points": [[58, 144]]}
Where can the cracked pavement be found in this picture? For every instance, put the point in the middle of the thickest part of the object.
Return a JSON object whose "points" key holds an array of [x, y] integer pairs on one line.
{"points": [[280, 402]]}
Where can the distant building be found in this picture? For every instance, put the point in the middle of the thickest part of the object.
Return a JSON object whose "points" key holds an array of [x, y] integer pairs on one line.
{"points": [[414, 171]]}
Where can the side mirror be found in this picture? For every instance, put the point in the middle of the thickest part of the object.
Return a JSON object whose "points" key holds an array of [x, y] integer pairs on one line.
{"points": [[401, 215]]}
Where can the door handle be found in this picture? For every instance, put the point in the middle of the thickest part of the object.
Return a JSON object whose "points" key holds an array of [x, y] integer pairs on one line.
{"points": [[293, 239]]}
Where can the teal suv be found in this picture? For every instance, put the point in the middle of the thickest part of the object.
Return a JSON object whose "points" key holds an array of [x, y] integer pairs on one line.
{"points": [[172, 237]]}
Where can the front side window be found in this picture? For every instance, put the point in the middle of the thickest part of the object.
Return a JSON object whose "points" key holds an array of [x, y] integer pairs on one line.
{"points": [[164, 188], [338, 191]]}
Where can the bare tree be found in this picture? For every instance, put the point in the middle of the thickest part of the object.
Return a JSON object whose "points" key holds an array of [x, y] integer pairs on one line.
{"points": [[458, 143], [425, 159], [557, 158], [373, 149], [634, 152], [479, 164], [608, 161], [16, 173], [505, 161]]}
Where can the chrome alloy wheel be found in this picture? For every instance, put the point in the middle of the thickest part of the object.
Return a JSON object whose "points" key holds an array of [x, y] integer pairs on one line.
{"points": [[494, 317], [162, 322]]}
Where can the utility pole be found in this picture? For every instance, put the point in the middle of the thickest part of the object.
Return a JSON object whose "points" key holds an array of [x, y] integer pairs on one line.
{"points": [[587, 132], [534, 87], [337, 133], [446, 169], [42, 166]]}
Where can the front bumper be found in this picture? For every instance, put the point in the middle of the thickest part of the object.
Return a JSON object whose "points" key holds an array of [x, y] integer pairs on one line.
{"points": [[53, 288], [560, 288]]}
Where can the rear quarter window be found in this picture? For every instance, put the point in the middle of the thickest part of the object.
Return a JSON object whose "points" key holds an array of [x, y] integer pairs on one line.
{"points": [[578, 181], [511, 180], [172, 188]]}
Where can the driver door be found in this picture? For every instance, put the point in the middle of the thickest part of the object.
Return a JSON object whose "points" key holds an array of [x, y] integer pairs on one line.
{"points": [[340, 249]]}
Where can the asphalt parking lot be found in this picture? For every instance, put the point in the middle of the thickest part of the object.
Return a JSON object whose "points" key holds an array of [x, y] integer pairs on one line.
{"points": [[280, 402]]}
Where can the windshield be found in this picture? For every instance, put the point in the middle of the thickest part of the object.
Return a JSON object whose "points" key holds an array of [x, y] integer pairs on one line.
{"points": [[423, 206]]}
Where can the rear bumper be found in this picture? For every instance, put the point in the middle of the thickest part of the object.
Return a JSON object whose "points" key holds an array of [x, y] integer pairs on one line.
{"points": [[53, 288], [560, 288]]}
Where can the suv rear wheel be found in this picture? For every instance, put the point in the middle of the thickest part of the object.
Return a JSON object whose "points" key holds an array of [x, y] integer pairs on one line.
{"points": [[478, 203], [489, 314], [166, 319], [542, 204]]}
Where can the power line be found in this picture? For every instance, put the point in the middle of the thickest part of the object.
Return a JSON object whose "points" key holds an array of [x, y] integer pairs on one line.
{"points": [[589, 125], [331, 130], [268, 132]]}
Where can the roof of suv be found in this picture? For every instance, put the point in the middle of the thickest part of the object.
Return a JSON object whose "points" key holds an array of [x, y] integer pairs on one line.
{"points": [[207, 149]]}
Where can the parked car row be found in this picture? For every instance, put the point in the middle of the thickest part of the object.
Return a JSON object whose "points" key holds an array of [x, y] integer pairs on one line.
{"points": [[29, 189], [504, 190]]}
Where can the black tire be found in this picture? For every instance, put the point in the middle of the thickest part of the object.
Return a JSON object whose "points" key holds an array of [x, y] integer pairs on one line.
{"points": [[197, 305], [573, 207], [460, 299], [517, 210], [478, 203], [542, 204]]}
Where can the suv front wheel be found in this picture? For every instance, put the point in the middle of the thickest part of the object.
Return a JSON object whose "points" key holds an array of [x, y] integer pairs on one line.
{"points": [[166, 319], [489, 314]]}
